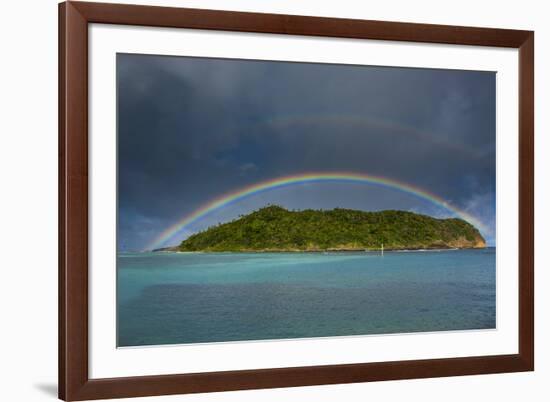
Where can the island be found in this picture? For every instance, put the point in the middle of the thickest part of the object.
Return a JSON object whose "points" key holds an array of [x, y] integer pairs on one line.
{"points": [[276, 229]]}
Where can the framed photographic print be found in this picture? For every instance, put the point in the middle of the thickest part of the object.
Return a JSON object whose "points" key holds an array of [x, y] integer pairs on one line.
{"points": [[258, 200]]}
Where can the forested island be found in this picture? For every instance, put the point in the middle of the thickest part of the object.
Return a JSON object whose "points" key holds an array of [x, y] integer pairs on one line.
{"points": [[275, 229]]}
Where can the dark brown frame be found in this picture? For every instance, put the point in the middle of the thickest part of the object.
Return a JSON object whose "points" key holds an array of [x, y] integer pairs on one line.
{"points": [[74, 383]]}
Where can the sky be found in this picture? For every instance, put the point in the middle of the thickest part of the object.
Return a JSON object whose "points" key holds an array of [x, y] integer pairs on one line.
{"points": [[193, 129]]}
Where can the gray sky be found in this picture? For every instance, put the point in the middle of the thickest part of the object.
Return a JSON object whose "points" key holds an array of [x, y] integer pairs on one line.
{"points": [[192, 129]]}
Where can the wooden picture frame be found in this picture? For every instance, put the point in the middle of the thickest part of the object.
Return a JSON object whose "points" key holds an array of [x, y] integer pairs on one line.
{"points": [[74, 381]]}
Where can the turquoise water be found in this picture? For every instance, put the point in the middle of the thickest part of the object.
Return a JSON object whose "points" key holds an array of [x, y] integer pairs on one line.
{"points": [[169, 298]]}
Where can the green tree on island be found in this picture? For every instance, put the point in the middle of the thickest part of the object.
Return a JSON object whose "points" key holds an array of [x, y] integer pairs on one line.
{"points": [[274, 228]]}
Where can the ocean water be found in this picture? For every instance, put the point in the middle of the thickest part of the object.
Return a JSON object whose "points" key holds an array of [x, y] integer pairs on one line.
{"points": [[175, 298]]}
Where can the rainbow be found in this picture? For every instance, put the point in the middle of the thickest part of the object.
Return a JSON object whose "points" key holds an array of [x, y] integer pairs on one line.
{"points": [[372, 124], [235, 196]]}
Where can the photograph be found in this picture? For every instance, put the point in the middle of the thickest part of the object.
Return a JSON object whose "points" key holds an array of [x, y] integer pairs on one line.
{"points": [[273, 200]]}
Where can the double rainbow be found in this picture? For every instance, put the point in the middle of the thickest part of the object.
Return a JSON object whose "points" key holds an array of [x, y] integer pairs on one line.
{"points": [[316, 177]]}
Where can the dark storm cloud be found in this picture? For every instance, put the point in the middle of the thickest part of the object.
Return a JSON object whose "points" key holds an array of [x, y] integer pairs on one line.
{"points": [[191, 129]]}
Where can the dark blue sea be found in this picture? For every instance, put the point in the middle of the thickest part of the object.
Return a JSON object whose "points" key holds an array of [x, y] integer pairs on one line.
{"points": [[175, 298]]}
